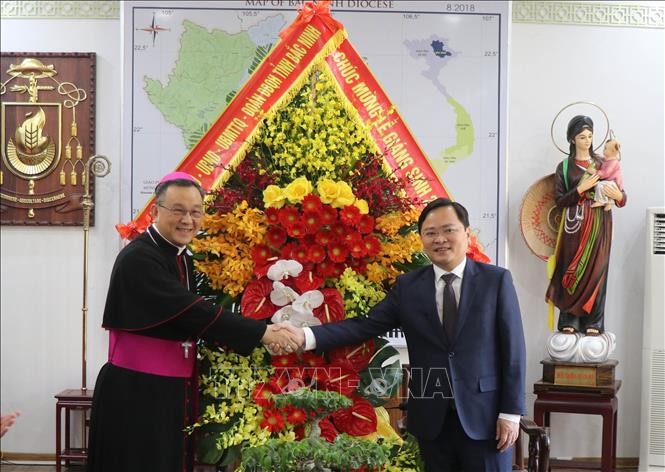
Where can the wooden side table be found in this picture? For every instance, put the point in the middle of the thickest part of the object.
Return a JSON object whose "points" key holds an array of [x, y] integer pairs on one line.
{"points": [[582, 400], [71, 400]]}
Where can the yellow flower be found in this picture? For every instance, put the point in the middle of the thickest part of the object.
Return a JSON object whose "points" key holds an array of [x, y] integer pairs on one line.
{"points": [[362, 206], [298, 189], [328, 190], [345, 196], [273, 196]]}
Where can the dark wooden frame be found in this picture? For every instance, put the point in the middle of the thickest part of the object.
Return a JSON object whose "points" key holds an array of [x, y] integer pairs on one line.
{"points": [[55, 204]]}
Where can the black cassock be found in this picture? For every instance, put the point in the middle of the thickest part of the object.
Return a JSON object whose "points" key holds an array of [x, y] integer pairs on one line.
{"points": [[137, 418]]}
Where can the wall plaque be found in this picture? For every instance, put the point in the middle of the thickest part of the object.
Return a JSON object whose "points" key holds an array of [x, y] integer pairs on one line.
{"points": [[48, 135]]}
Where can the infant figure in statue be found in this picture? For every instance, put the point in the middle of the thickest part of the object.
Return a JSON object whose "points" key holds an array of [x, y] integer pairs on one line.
{"points": [[609, 174]]}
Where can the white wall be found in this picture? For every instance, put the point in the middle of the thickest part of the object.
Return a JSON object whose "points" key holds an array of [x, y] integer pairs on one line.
{"points": [[41, 268], [620, 69]]}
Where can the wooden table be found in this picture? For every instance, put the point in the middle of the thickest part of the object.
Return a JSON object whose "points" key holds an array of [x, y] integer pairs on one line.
{"points": [[71, 400], [602, 401]]}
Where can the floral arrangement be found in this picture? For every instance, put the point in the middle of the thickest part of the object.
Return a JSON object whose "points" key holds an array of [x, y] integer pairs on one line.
{"points": [[310, 228]]}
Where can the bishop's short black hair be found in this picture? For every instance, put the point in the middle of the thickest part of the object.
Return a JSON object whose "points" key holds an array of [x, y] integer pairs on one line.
{"points": [[160, 189]]}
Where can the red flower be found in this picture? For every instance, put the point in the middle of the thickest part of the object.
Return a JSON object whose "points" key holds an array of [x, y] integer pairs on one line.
{"points": [[337, 252], [308, 280], [294, 415], [272, 216], [294, 251], [337, 270], [263, 393], [312, 221], [310, 359], [288, 215], [324, 237], [354, 243], [328, 215], [273, 422], [325, 269], [297, 229], [263, 258], [280, 379], [350, 215], [372, 245], [355, 358], [328, 431], [358, 265], [316, 253], [350, 237], [255, 302], [276, 236], [475, 250], [287, 360], [338, 230], [299, 253], [366, 224], [357, 420], [341, 380], [311, 203], [332, 308], [357, 249]]}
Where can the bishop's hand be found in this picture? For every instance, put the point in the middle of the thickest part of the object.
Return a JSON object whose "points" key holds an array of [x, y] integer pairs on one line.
{"points": [[281, 339]]}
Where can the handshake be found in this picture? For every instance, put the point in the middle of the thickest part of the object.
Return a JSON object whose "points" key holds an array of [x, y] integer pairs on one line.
{"points": [[283, 338]]}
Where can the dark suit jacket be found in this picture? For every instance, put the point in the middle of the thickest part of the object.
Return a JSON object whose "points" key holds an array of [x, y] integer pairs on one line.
{"points": [[485, 363]]}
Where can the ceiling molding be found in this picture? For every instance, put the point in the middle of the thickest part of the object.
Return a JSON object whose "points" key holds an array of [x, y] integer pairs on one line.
{"points": [[54, 10], [591, 14]]}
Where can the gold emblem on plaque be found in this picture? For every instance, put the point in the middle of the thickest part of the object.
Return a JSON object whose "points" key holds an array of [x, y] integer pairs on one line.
{"points": [[31, 152], [32, 131]]}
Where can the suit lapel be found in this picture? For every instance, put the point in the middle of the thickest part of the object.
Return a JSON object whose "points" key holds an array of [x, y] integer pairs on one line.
{"points": [[468, 289]]}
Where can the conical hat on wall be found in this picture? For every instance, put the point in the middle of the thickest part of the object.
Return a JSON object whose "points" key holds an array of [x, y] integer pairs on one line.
{"points": [[540, 218]]}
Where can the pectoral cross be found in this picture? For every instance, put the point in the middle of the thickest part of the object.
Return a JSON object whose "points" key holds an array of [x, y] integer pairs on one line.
{"points": [[185, 348]]}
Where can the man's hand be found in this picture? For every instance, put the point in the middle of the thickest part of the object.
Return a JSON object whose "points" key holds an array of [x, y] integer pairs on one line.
{"points": [[507, 433], [297, 334], [282, 338]]}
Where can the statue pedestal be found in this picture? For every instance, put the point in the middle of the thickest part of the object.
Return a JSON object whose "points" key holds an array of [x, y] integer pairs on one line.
{"points": [[578, 374], [581, 399], [577, 347]]}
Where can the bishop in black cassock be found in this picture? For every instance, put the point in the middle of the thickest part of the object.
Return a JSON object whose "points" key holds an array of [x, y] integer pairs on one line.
{"points": [[144, 395]]}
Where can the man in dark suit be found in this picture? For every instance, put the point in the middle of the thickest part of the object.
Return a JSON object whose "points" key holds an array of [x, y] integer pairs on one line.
{"points": [[466, 348]]}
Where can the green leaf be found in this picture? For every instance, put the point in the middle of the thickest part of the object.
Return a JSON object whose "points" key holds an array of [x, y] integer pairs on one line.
{"points": [[231, 455], [207, 451], [379, 382]]}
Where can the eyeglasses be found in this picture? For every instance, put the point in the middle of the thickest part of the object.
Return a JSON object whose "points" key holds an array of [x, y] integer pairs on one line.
{"points": [[447, 232], [181, 212]]}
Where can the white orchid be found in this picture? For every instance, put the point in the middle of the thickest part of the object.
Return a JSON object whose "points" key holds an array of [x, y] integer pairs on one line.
{"points": [[282, 295], [283, 269], [309, 300], [295, 318]]}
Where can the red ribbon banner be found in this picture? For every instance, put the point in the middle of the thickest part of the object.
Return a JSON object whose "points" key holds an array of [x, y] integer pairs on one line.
{"points": [[388, 129]]}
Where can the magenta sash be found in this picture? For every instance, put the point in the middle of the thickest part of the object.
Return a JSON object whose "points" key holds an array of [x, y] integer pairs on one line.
{"points": [[150, 355]]}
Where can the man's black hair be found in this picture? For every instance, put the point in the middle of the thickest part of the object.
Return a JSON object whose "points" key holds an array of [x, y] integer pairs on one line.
{"points": [[461, 212]]}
